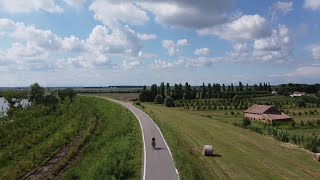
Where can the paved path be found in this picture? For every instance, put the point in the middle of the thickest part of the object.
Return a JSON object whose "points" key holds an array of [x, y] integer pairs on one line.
{"points": [[158, 163]]}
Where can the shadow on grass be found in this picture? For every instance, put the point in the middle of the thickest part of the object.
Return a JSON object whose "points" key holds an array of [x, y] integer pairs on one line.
{"points": [[215, 155]]}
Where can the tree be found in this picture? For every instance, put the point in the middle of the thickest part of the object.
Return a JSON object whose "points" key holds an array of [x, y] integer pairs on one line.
{"points": [[158, 99], [167, 90], [240, 86], [260, 87], [223, 88], [67, 93], [36, 93], [168, 101], [162, 89], [301, 103], [269, 87], [209, 91], [232, 88]]}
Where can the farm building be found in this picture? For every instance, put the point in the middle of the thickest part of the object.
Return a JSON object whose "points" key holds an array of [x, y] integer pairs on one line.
{"points": [[267, 114], [298, 94]]}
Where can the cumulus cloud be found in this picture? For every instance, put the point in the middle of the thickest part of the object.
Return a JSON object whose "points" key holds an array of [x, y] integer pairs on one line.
{"points": [[40, 45], [147, 37], [276, 47], [202, 52], [18, 6], [184, 63], [118, 12], [189, 13], [312, 4], [282, 7], [246, 27], [316, 52], [182, 42], [75, 3], [173, 47]]}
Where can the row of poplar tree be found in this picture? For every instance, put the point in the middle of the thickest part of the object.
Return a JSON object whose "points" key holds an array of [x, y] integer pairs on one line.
{"points": [[178, 91]]}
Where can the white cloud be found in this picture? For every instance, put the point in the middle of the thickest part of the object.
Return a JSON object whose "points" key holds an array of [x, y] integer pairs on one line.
{"points": [[189, 13], [312, 72], [173, 47], [202, 52], [170, 46], [282, 7], [113, 13], [312, 4], [44, 45], [182, 42], [147, 37], [185, 63], [316, 52], [20, 6], [246, 27], [240, 52], [75, 3], [276, 47]]}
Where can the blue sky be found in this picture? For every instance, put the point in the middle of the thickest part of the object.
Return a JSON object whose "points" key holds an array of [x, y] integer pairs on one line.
{"points": [[137, 42]]}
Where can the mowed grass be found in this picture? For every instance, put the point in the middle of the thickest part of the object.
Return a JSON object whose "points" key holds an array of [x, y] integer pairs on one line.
{"points": [[115, 151], [120, 96], [239, 153]]}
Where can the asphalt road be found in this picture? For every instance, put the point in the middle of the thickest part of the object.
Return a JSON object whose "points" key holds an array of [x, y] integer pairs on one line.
{"points": [[158, 162]]}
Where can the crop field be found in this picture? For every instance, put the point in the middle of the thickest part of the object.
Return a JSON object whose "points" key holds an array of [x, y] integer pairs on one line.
{"points": [[120, 96], [239, 153], [93, 133]]}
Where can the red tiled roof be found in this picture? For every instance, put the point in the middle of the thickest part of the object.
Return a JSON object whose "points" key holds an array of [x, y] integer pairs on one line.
{"points": [[277, 116], [258, 109]]}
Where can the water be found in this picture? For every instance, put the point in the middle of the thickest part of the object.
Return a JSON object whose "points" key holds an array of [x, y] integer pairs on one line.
{"points": [[4, 105]]}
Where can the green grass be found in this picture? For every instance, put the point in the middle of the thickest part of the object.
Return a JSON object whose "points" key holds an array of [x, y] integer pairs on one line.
{"points": [[115, 150], [120, 96], [34, 135], [241, 153]]}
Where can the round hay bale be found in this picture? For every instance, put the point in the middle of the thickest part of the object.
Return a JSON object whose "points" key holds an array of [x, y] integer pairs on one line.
{"points": [[317, 156], [207, 150]]}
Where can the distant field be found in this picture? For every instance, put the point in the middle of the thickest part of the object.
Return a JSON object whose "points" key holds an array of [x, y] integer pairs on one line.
{"points": [[120, 96], [240, 153]]}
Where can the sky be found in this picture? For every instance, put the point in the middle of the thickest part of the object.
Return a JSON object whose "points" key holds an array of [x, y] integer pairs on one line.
{"points": [[141, 42]]}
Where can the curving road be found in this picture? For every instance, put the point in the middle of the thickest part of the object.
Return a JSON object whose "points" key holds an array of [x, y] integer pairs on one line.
{"points": [[158, 163]]}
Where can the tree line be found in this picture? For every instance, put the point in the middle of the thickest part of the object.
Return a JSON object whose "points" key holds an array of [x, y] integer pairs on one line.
{"points": [[158, 94]]}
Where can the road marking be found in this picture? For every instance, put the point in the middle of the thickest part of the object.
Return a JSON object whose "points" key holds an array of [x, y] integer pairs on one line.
{"points": [[164, 142]]}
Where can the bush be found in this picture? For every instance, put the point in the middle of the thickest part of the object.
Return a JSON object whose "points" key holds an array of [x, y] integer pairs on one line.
{"points": [[301, 103], [168, 101], [246, 122], [158, 99]]}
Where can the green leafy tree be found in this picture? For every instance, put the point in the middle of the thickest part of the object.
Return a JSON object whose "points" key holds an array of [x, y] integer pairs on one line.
{"points": [[167, 90], [168, 101], [301, 103], [158, 99], [162, 89], [36, 93]]}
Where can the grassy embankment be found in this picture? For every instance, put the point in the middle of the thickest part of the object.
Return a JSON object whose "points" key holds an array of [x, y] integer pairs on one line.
{"points": [[36, 134], [115, 150], [240, 153]]}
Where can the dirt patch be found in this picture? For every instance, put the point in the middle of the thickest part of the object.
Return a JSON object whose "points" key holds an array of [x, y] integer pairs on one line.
{"points": [[67, 156]]}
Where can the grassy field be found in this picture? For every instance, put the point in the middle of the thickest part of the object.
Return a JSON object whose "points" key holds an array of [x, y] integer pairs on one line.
{"points": [[37, 134], [115, 150], [239, 153], [110, 133], [120, 96]]}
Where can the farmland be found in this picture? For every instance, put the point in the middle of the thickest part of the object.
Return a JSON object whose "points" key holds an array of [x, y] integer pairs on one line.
{"points": [[84, 130], [240, 153]]}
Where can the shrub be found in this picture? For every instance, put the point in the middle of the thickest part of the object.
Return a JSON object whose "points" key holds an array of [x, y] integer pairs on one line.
{"points": [[246, 122], [168, 101], [301, 103], [158, 99]]}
